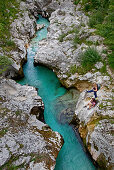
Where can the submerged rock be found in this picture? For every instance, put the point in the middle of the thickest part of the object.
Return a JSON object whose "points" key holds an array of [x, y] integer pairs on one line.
{"points": [[24, 140], [65, 106]]}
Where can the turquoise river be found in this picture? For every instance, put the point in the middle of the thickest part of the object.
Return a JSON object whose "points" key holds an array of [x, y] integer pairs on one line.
{"points": [[72, 155]]}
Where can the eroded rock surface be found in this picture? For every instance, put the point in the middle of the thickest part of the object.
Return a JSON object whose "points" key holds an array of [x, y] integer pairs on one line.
{"points": [[60, 53], [22, 29], [25, 142], [96, 126]]}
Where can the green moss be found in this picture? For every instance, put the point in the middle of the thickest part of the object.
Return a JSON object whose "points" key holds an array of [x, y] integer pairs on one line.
{"points": [[42, 157], [18, 112], [84, 142], [102, 162], [10, 166], [61, 37], [3, 132], [21, 145]]}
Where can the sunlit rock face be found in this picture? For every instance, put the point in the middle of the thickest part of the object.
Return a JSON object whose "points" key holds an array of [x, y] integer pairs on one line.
{"points": [[96, 126], [24, 140]]}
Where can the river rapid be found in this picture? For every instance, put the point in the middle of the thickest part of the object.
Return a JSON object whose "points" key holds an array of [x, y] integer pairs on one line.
{"points": [[57, 100]]}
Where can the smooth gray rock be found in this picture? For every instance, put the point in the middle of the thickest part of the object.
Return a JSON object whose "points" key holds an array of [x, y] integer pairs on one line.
{"points": [[99, 65], [102, 139]]}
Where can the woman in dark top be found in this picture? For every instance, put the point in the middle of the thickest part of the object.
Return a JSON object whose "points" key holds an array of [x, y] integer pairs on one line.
{"points": [[95, 89]]}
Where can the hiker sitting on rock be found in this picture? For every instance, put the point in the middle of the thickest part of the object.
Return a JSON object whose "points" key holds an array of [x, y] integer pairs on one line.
{"points": [[91, 104], [95, 89]]}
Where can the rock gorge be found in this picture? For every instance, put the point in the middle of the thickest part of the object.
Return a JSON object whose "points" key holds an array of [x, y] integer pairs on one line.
{"points": [[58, 53]]}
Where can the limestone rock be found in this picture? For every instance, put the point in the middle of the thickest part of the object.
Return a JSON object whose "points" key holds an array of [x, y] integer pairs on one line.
{"points": [[22, 29], [101, 143], [96, 126], [24, 140], [99, 65], [40, 26], [59, 52]]}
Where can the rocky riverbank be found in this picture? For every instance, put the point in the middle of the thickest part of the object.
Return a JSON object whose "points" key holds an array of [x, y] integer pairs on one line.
{"points": [[59, 53], [25, 142], [22, 29]]}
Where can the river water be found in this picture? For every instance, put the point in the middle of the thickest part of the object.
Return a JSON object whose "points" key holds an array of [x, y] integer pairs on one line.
{"points": [[56, 100]]}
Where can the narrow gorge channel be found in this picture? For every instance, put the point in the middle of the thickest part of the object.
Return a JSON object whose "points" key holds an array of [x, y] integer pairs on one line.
{"points": [[55, 98]]}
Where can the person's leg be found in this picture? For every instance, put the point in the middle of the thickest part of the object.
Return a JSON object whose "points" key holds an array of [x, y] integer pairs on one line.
{"points": [[95, 94], [89, 104], [90, 91]]}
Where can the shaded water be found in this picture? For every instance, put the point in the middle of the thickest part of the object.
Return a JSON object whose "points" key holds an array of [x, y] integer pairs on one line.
{"points": [[71, 156]]}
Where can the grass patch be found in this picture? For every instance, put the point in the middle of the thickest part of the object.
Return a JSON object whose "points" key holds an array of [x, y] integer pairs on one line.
{"points": [[9, 165], [18, 112], [73, 69], [8, 12], [61, 37], [101, 106], [96, 18], [103, 69], [111, 60], [81, 70], [76, 2], [102, 18], [4, 63], [89, 58], [3, 132], [76, 40], [89, 5], [76, 69]]}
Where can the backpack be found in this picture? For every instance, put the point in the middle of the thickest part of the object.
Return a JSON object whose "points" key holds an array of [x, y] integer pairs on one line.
{"points": [[98, 86]]}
